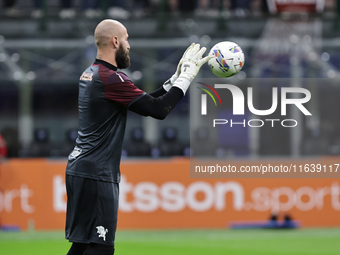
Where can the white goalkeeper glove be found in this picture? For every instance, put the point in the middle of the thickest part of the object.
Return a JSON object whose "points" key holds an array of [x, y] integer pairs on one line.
{"points": [[192, 63], [168, 84]]}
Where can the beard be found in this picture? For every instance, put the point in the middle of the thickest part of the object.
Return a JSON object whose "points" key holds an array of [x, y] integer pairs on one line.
{"points": [[122, 58]]}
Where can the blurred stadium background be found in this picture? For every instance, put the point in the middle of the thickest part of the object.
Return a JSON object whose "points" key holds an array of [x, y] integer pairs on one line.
{"points": [[45, 46]]}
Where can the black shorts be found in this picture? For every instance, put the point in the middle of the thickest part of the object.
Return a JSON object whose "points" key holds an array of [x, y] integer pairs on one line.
{"points": [[92, 208]]}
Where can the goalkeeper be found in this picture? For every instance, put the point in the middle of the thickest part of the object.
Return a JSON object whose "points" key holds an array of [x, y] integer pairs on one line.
{"points": [[105, 95]]}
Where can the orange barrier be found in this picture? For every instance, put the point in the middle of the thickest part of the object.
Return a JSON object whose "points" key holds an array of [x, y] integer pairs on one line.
{"points": [[161, 194]]}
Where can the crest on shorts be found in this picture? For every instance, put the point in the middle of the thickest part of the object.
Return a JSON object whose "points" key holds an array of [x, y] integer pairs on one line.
{"points": [[101, 231], [75, 153]]}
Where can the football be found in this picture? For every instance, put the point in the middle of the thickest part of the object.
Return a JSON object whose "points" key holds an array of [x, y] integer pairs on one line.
{"points": [[228, 59]]}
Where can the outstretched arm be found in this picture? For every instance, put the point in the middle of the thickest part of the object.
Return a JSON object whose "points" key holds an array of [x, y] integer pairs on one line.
{"points": [[157, 107], [170, 82], [160, 106]]}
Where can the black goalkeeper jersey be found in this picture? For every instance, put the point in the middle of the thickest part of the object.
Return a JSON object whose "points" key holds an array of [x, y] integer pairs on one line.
{"points": [[104, 97]]}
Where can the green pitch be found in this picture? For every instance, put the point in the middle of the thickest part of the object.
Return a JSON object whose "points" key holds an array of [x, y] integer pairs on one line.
{"points": [[187, 242]]}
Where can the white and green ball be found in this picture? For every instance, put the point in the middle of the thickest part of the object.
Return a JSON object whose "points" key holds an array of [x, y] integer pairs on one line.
{"points": [[228, 59]]}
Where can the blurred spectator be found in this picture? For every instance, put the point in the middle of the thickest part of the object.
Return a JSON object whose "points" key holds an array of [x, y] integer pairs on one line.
{"points": [[182, 6], [137, 146], [241, 8], [63, 148], [173, 5], [9, 8], [187, 6], [10, 135], [66, 12], [91, 8], [316, 143], [3, 147], [37, 12], [264, 7], [117, 9], [8, 3], [203, 145], [211, 8], [170, 145], [40, 147], [208, 8], [142, 7]]}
